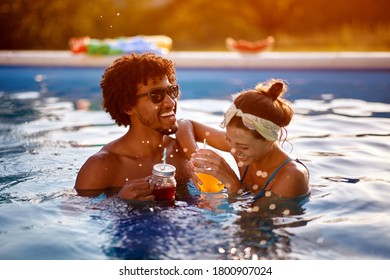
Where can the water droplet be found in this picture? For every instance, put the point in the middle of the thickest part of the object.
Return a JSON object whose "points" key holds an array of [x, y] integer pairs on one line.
{"points": [[263, 242], [247, 252], [320, 240], [39, 78]]}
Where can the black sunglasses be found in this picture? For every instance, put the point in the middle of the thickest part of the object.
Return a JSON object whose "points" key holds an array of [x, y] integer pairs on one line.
{"points": [[158, 95]]}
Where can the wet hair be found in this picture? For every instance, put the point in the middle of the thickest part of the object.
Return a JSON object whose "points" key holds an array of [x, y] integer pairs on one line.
{"points": [[121, 81], [265, 101]]}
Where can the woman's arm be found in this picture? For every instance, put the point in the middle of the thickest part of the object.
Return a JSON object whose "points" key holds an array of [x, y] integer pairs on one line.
{"points": [[190, 132]]}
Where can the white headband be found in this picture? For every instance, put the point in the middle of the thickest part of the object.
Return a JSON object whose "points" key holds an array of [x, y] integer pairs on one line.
{"points": [[266, 128]]}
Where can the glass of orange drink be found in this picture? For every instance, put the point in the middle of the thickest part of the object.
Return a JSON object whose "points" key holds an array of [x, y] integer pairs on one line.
{"points": [[209, 184]]}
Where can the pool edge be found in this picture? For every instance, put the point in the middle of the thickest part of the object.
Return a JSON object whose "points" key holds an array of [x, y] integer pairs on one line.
{"points": [[265, 60]]}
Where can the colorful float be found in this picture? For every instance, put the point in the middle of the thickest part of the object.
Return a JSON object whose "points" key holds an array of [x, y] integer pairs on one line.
{"points": [[248, 47], [159, 44]]}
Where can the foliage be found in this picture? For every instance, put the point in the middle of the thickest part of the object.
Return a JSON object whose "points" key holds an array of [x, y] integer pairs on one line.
{"points": [[198, 24]]}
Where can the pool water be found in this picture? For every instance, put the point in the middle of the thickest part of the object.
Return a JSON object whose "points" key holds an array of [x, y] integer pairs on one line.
{"points": [[340, 131]]}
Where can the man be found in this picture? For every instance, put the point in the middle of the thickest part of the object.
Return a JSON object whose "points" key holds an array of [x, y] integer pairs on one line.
{"points": [[139, 91]]}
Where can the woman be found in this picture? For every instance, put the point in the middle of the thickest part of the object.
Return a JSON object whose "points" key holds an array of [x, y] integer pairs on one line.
{"points": [[254, 124]]}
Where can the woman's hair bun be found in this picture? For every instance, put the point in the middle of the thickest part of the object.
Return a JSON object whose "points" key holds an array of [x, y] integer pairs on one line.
{"points": [[272, 88], [276, 90]]}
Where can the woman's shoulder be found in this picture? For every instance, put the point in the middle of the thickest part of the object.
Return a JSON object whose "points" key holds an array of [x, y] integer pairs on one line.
{"points": [[292, 180], [297, 165]]}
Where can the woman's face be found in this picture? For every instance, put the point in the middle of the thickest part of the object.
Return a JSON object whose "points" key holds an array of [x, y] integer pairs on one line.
{"points": [[244, 147]]}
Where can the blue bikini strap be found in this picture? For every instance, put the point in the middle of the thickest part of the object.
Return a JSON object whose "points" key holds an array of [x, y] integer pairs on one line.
{"points": [[243, 175], [262, 192]]}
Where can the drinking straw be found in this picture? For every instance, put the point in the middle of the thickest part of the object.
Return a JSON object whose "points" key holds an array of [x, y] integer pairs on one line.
{"points": [[165, 157]]}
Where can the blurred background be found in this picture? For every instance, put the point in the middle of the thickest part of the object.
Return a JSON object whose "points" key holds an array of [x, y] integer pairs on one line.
{"points": [[201, 25]]}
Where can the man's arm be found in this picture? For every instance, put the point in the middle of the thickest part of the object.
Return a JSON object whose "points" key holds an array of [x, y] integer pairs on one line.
{"points": [[97, 174], [94, 176]]}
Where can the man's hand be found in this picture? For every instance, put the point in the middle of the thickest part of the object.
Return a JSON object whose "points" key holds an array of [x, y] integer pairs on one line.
{"points": [[138, 189]]}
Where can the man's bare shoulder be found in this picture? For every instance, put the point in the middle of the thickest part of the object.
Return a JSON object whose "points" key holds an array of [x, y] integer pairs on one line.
{"points": [[96, 172], [105, 155]]}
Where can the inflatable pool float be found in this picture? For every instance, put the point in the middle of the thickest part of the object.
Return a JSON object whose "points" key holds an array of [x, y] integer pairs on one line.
{"points": [[159, 44], [243, 46]]}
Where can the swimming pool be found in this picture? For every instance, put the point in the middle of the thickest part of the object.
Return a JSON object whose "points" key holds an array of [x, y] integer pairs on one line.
{"points": [[341, 131]]}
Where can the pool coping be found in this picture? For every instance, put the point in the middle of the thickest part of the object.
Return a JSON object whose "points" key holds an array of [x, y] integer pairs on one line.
{"points": [[265, 60]]}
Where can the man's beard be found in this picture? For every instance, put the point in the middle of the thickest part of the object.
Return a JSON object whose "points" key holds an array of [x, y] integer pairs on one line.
{"points": [[162, 130], [151, 122], [171, 130]]}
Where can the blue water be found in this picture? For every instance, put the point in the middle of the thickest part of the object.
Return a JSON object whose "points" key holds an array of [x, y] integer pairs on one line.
{"points": [[341, 131]]}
